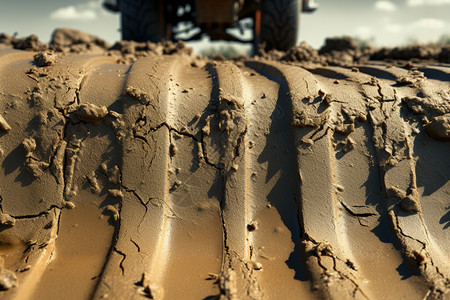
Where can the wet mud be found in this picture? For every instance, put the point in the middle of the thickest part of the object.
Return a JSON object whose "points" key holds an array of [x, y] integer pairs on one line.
{"points": [[139, 170]]}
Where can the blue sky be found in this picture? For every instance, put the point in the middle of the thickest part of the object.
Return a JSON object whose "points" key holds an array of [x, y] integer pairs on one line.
{"points": [[386, 22]]}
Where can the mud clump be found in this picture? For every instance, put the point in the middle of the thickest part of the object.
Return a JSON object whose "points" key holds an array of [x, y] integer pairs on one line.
{"points": [[4, 126], [30, 43], [339, 51], [303, 52], [413, 78], [44, 59], [67, 40], [340, 45], [131, 50], [91, 113], [415, 52], [76, 41], [439, 127], [345, 51], [444, 55]]}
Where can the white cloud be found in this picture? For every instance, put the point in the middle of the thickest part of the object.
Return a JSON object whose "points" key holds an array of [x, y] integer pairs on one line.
{"points": [[385, 6], [429, 23], [427, 2], [81, 12]]}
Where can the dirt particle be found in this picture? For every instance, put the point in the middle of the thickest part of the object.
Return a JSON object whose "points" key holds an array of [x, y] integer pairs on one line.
{"points": [[419, 257], [348, 145], [91, 113], [206, 130], [409, 204], [4, 126], [93, 182], [175, 185], [252, 226], [395, 192], [112, 211], [115, 193], [137, 94], [69, 205], [324, 249], [322, 94], [173, 150], [44, 59], [355, 69], [256, 265], [439, 127], [114, 114], [36, 168], [304, 119], [6, 220], [362, 118], [344, 128], [212, 276], [29, 144], [307, 142], [114, 175], [57, 166]]}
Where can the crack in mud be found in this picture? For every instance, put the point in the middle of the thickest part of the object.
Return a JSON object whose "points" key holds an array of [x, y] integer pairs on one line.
{"points": [[123, 259], [33, 216]]}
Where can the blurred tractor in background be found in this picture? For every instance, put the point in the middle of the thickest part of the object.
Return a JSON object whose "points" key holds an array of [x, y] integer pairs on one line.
{"points": [[273, 24]]}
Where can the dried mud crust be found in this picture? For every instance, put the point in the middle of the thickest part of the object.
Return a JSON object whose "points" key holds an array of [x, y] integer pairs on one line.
{"points": [[345, 51], [172, 177]]}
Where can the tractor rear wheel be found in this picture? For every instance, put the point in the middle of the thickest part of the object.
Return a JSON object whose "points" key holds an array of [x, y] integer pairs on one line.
{"points": [[142, 20], [279, 23]]}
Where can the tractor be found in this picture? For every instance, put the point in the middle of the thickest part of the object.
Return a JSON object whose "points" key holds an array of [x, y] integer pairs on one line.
{"points": [[271, 24]]}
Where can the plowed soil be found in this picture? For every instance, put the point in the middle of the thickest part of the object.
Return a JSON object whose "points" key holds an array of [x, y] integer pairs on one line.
{"points": [[141, 170]]}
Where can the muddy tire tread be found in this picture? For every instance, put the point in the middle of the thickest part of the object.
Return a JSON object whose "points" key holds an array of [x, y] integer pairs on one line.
{"points": [[141, 21], [280, 22]]}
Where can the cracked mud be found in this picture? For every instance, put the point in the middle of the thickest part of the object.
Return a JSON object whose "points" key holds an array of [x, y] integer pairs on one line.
{"points": [[143, 171]]}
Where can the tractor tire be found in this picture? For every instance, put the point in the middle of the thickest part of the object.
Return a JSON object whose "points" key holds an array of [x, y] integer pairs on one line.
{"points": [[174, 177], [279, 24], [142, 21]]}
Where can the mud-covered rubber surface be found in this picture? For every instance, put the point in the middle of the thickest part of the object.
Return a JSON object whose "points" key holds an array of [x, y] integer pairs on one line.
{"points": [[179, 178]]}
